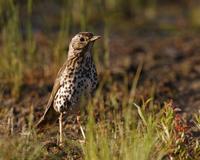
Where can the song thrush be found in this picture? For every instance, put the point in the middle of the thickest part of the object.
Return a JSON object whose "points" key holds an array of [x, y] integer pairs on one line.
{"points": [[77, 78]]}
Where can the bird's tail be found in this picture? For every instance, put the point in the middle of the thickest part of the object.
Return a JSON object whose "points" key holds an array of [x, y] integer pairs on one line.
{"points": [[50, 116]]}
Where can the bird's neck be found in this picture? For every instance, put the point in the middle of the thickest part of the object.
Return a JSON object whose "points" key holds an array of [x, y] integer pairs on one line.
{"points": [[73, 53], [78, 58]]}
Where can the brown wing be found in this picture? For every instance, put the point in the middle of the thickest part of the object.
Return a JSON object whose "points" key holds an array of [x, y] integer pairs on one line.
{"points": [[50, 114]]}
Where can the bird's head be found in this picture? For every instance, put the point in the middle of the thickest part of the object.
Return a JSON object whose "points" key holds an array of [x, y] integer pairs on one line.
{"points": [[83, 41]]}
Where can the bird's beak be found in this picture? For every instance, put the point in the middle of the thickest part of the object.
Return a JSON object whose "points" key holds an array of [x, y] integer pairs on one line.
{"points": [[94, 38]]}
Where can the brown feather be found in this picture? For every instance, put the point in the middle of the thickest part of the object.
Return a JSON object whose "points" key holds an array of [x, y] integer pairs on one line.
{"points": [[50, 114]]}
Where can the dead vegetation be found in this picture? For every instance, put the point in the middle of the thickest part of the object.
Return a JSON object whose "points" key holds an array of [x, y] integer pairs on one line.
{"points": [[147, 103]]}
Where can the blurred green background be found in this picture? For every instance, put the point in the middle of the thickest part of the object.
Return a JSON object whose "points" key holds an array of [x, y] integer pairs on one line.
{"points": [[34, 34], [148, 66]]}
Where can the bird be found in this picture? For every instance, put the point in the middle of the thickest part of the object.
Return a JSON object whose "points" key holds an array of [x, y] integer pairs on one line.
{"points": [[77, 78]]}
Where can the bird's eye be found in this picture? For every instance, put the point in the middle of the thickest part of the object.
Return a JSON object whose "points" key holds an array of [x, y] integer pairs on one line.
{"points": [[82, 39]]}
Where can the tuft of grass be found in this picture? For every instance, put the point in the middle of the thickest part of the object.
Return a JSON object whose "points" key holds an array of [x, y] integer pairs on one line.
{"points": [[121, 139], [20, 147], [11, 64], [138, 133], [83, 9], [117, 128], [60, 49], [30, 42], [152, 136], [106, 34]]}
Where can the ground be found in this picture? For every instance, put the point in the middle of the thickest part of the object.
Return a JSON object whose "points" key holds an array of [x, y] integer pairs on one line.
{"points": [[156, 69]]}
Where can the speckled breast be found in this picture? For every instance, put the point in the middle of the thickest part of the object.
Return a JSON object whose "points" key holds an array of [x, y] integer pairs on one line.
{"points": [[76, 84]]}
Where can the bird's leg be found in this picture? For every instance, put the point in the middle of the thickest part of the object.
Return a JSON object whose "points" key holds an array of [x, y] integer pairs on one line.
{"points": [[81, 128], [60, 129]]}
